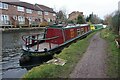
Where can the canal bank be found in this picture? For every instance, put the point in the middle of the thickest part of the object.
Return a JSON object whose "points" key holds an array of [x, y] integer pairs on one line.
{"points": [[70, 55], [113, 52]]}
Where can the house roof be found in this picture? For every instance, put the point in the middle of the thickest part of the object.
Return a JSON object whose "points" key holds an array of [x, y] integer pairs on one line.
{"points": [[76, 12], [45, 8], [24, 4]]}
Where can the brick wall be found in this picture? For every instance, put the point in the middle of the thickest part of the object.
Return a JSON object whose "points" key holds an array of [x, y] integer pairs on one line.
{"points": [[12, 11], [34, 17], [50, 16], [74, 15]]}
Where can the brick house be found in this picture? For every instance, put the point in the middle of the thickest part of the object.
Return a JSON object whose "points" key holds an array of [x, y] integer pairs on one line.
{"points": [[20, 13], [74, 15], [48, 14]]}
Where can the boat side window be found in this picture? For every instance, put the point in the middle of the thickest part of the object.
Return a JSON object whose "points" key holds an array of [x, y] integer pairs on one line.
{"points": [[78, 31], [82, 30]]}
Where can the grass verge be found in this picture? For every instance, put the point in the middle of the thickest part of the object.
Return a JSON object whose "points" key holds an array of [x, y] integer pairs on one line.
{"points": [[72, 55], [113, 53]]}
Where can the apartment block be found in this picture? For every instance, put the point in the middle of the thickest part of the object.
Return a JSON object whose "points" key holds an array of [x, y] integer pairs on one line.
{"points": [[48, 14], [73, 15], [24, 14]]}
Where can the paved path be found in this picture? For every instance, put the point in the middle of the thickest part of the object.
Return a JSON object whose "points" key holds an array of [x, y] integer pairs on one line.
{"points": [[92, 64]]}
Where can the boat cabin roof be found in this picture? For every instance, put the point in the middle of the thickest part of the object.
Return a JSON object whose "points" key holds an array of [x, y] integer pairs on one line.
{"points": [[61, 26]]}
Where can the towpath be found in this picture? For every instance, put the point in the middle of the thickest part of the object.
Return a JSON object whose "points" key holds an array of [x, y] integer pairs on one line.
{"points": [[93, 62]]}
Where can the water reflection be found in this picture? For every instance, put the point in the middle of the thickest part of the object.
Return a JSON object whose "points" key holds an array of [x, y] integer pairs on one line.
{"points": [[11, 52], [35, 62]]}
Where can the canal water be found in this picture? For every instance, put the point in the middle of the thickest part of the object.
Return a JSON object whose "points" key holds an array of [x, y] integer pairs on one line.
{"points": [[11, 52]]}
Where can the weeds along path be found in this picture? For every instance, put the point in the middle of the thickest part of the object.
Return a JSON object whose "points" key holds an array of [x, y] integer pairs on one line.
{"points": [[93, 62]]}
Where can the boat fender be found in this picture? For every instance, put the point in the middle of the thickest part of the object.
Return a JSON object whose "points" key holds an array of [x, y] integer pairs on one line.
{"points": [[24, 58], [45, 49], [36, 50]]}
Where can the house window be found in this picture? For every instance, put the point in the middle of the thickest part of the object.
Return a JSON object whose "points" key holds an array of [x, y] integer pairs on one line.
{"points": [[28, 11], [3, 5], [40, 12], [21, 19], [82, 30], [4, 19], [41, 20], [30, 20], [14, 6], [54, 14], [20, 8], [0, 5], [48, 20], [78, 31], [15, 17], [46, 13]]}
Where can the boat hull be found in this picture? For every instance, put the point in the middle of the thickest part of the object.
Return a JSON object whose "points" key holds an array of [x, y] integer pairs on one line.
{"points": [[55, 50]]}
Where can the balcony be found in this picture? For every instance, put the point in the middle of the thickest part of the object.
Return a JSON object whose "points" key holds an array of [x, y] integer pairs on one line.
{"points": [[5, 24]]}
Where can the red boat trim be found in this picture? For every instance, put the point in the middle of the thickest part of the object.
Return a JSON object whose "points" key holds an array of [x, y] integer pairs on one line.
{"points": [[44, 39], [63, 35]]}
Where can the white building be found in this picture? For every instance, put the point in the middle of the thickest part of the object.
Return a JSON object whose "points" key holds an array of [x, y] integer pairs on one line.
{"points": [[119, 11], [119, 5]]}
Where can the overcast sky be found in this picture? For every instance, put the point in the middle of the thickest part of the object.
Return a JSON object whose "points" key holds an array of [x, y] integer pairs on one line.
{"points": [[99, 7]]}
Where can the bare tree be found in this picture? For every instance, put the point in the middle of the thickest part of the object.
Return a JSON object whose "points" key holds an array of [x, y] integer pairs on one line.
{"points": [[61, 16], [80, 20], [93, 18], [107, 19], [113, 21]]}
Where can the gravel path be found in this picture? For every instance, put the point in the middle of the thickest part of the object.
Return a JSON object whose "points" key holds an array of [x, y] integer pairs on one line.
{"points": [[92, 64]]}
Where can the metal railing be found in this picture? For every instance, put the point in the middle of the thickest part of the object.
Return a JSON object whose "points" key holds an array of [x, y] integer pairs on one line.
{"points": [[26, 38], [32, 39], [5, 22]]}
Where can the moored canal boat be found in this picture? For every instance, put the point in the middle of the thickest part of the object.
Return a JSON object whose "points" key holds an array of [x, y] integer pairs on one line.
{"points": [[54, 39]]}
